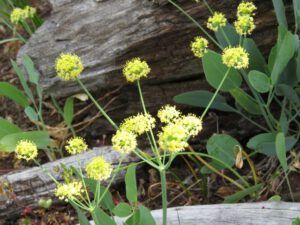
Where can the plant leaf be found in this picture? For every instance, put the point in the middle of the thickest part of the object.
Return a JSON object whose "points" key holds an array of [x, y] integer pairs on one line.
{"points": [[285, 53], [202, 98], [281, 151], [130, 181], [289, 93], [13, 93], [7, 128], [101, 218], [31, 113], [242, 194], [230, 32], [33, 75], [215, 70], [280, 12], [69, 111], [296, 4], [40, 138], [259, 81], [81, 216], [245, 101], [257, 60], [122, 210], [145, 216]]}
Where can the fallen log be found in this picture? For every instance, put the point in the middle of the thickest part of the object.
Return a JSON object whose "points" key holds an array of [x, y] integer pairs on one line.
{"points": [[24, 188], [262, 213], [107, 33]]}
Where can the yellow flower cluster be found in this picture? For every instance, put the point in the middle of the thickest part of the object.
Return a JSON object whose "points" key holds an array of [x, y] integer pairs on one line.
{"points": [[244, 25], [98, 169], [138, 124], [18, 15], [246, 8], [236, 57], [173, 138], [69, 191], [245, 22], [76, 145], [26, 150], [124, 141], [199, 46], [168, 114], [216, 21], [68, 66], [135, 69], [191, 123]]}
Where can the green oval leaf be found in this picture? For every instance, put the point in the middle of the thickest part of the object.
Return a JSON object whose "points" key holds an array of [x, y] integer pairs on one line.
{"points": [[40, 138], [33, 75], [256, 58], [30, 112], [281, 151], [202, 98], [13, 93], [69, 111], [7, 128], [259, 81], [215, 70], [130, 181], [122, 210]]}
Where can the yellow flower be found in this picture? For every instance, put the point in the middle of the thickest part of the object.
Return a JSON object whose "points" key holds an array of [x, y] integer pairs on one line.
{"points": [[17, 15], [173, 138], [124, 141], [135, 69], [26, 150], [246, 8], [244, 25], [68, 66], [236, 57], [199, 46], [216, 21], [191, 123], [138, 124], [69, 191], [168, 114], [29, 11], [98, 169], [76, 145]]}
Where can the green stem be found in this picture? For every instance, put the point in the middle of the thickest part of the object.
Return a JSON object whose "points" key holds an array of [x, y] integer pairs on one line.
{"points": [[97, 104], [215, 94], [164, 195], [196, 24]]}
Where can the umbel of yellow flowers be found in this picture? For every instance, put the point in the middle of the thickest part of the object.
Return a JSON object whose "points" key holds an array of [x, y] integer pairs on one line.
{"points": [[135, 69], [26, 149], [76, 145], [19, 15], [98, 169], [199, 46], [69, 191], [68, 66], [216, 21], [235, 57]]}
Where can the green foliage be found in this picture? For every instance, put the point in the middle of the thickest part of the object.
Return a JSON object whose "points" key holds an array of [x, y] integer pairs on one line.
{"points": [[122, 210], [131, 186], [259, 81], [13, 93], [236, 197]]}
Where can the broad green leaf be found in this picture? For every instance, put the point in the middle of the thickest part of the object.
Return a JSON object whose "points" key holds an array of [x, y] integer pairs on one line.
{"points": [[272, 58], [275, 198], [289, 93], [40, 138], [284, 123], [69, 111], [31, 113], [296, 221], [242, 194], [259, 81], [101, 218], [215, 70], [7, 128], [298, 65], [13, 93], [245, 101], [280, 12], [22, 79], [81, 216], [265, 143], [130, 182], [222, 147], [257, 60], [33, 75], [122, 210], [281, 151], [202, 98], [285, 53], [134, 218], [296, 4], [230, 32], [145, 216]]}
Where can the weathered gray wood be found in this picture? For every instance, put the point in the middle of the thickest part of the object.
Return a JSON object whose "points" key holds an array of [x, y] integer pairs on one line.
{"points": [[107, 33], [263, 213], [25, 188]]}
